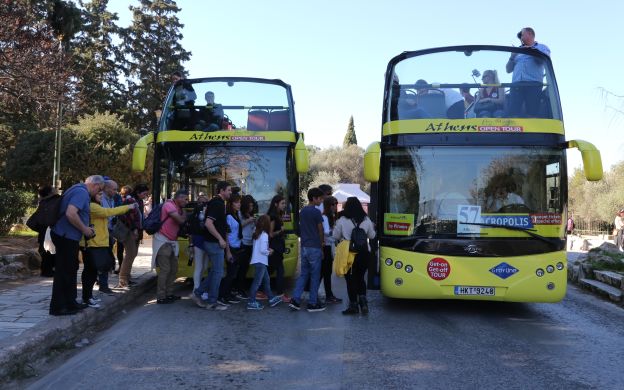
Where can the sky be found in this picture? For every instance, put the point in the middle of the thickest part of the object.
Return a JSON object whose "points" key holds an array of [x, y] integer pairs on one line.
{"points": [[334, 54]]}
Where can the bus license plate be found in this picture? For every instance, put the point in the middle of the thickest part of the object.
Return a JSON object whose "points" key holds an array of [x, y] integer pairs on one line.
{"points": [[465, 290]]}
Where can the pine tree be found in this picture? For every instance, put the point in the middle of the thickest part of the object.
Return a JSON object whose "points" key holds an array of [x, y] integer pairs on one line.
{"points": [[98, 62], [350, 138], [153, 45]]}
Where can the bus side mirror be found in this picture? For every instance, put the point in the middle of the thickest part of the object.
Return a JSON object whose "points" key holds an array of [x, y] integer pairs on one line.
{"points": [[302, 157], [140, 152], [371, 162], [592, 163]]}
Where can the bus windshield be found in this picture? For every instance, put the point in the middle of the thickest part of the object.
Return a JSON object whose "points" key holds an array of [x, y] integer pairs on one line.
{"points": [[430, 187], [259, 171], [227, 104], [471, 83]]}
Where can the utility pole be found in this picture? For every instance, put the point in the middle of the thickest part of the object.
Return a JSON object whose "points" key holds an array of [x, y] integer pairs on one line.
{"points": [[56, 171]]}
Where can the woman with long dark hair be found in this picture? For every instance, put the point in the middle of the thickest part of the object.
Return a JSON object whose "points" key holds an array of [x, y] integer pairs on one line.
{"points": [[233, 250], [354, 215], [248, 222], [277, 242], [329, 220]]}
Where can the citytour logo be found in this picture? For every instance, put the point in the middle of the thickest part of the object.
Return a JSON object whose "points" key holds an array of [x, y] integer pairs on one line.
{"points": [[438, 268]]}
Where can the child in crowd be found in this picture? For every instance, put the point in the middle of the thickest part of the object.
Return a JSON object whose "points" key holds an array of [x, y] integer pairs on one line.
{"points": [[260, 260]]}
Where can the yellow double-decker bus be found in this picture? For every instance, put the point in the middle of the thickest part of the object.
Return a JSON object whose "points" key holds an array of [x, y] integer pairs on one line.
{"points": [[470, 177], [237, 129]]}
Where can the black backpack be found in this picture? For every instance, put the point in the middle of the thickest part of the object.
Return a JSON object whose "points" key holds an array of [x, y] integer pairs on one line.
{"points": [[196, 220], [47, 214], [359, 239]]}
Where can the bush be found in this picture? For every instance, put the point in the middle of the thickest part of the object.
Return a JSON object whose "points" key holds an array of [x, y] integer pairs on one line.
{"points": [[13, 206]]}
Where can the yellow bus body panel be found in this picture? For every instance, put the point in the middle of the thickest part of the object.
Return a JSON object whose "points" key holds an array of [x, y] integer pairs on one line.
{"points": [[522, 286]]}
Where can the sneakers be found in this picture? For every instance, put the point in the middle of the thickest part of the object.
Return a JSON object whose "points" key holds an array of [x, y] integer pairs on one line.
{"points": [[198, 301], [222, 302], [261, 296], [333, 299], [241, 295], [232, 299], [93, 304], [216, 307], [255, 305], [294, 305], [94, 300], [317, 307], [276, 300], [204, 296], [174, 297], [285, 298], [164, 301], [106, 290]]}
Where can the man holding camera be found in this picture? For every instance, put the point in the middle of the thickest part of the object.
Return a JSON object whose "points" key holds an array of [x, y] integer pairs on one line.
{"points": [[527, 70], [66, 235]]}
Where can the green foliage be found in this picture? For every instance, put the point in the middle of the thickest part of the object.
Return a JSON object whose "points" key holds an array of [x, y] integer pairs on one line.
{"points": [[154, 49], [597, 201], [13, 206], [97, 144], [350, 138]]}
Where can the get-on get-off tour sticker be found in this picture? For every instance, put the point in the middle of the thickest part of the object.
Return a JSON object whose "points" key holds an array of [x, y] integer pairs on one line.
{"points": [[438, 268]]}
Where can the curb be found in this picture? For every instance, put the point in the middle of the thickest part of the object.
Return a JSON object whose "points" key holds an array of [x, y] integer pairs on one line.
{"points": [[19, 354]]}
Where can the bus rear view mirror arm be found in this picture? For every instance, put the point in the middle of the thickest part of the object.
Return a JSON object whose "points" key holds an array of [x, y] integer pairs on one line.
{"points": [[592, 163]]}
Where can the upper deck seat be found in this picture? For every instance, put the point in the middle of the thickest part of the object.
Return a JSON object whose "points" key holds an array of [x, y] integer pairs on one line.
{"points": [[433, 103], [258, 120], [279, 120]]}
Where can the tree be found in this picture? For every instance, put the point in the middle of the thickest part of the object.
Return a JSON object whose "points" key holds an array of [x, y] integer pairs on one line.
{"points": [[97, 144], [153, 46], [350, 138], [98, 62]]}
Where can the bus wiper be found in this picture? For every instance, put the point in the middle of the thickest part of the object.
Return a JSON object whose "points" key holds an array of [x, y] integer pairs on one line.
{"points": [[530, 232]]}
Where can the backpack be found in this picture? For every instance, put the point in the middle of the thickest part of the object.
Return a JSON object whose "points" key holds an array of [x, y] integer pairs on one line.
{"points": [[197, 218], [152, 223], [47, 214], [359, 239]]}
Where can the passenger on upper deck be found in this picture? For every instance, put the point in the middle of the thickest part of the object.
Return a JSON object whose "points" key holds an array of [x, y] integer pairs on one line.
{"points": [[183, 89], [453, 100], [528, 70], [491, 98], [211, 116]]}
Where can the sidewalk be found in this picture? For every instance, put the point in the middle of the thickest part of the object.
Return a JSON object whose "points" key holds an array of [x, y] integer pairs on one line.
{"points": [[27, 331]]}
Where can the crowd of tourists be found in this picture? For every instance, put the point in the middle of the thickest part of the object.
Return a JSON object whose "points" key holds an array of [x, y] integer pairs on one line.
{"points": [[103, 225]]}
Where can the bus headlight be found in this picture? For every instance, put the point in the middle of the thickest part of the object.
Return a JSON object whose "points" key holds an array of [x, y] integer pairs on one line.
{"points": [[539, 272], [388, 261], [550, 286], [560, 266], [398, 264], [409, 269], [550, 269]]}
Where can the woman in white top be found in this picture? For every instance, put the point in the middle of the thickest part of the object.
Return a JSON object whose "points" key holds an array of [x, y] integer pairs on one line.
{"points": [[260, 260], [248, 222], [352, 215], [329, 220]]}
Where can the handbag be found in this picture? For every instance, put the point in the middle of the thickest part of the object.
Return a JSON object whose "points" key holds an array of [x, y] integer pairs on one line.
{"points": [[120, 232]]}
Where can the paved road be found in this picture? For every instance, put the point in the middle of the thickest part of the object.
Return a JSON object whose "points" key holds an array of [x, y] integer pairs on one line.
{"points": [[402, 344]]}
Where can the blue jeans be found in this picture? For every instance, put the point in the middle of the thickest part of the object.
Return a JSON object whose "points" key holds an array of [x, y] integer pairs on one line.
{"points": [[261, 278], [211, 283], [310, 269]]}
